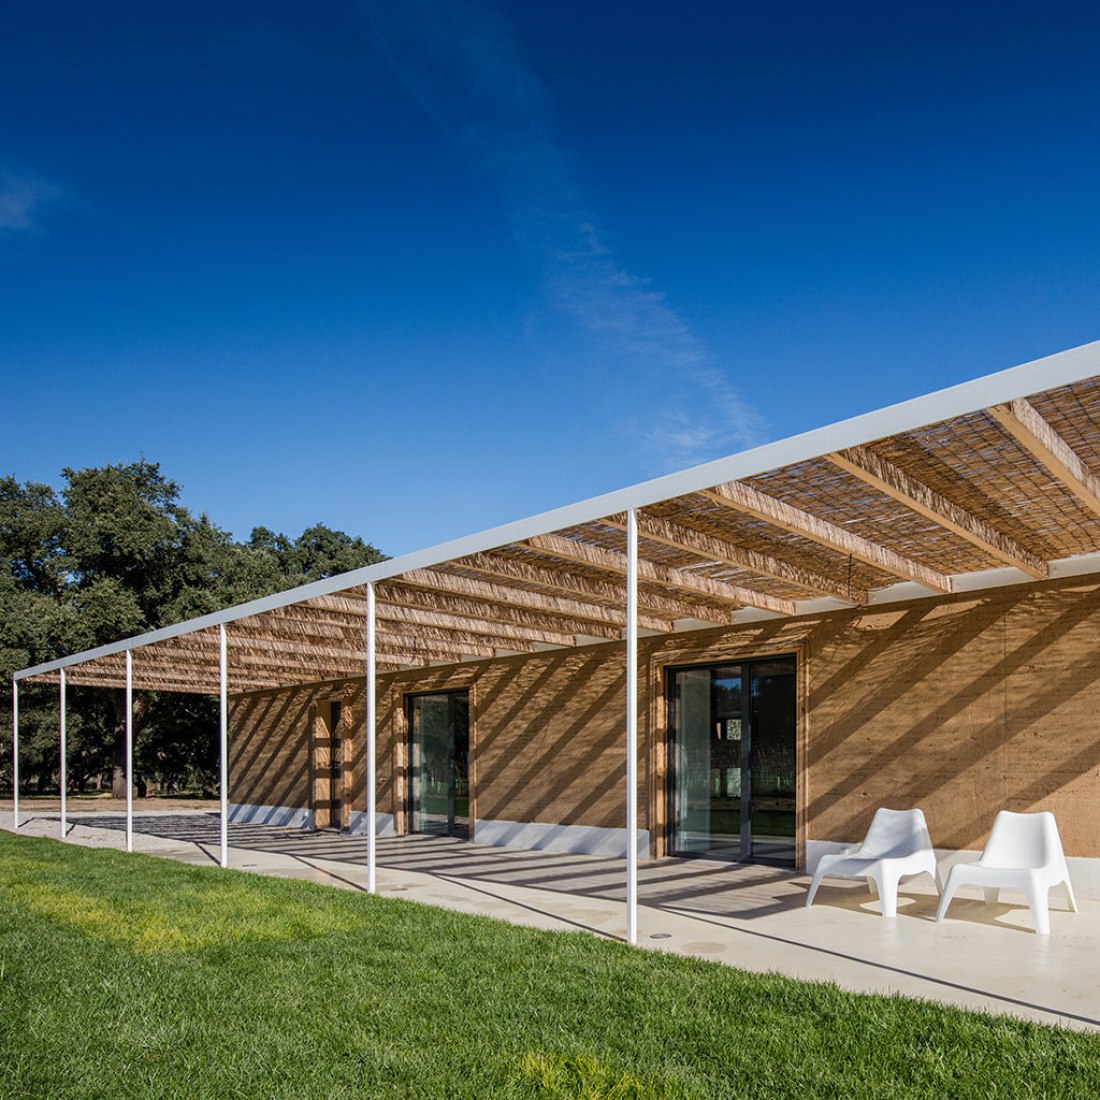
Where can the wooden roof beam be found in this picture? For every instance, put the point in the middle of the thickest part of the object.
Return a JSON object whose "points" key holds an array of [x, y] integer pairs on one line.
{"points": [[303, 635], [306, 635], [689, 540], [163, 683], [612, 561], [505, 594], [874, 470], [655, 611], [428, 606], [747, 499], [387, 612], [1025, 424], [400, 596]]}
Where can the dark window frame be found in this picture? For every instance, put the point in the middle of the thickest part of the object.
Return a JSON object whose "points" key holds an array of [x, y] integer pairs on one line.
{"points": [[745, 663]]}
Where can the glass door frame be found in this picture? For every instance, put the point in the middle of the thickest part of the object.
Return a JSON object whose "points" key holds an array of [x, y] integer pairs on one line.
{"points": [[413, 777], [797, 656]]}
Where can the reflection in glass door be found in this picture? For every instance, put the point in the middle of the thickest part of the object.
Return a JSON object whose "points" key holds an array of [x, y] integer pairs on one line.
{"points": [[439, 763], [732, 760]]}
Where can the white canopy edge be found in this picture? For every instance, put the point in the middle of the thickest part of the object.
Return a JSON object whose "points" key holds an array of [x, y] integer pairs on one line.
{"points": [[1060, 369]]}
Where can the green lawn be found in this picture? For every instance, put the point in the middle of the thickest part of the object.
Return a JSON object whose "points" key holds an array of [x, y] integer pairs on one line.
{"points": [[126, 976]]}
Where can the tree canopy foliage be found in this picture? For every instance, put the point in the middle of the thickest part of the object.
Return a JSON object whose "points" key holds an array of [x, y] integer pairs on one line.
{"points": [[113, 554]]}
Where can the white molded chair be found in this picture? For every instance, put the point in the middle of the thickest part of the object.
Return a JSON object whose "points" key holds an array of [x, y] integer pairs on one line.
{"points": [[1024, 852], [897, 846]]}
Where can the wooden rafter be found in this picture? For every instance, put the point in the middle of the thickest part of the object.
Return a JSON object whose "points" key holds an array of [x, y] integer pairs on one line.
{"points": [[389, 612], [874, 470], [434, 607], [712, 548], [397, 595], [609, 597], [746, 499], [1025, 424], [508, 594], [164, 682], [612, 561], [300, 630]]}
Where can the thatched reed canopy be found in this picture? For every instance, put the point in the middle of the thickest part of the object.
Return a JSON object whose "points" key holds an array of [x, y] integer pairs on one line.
{"points": [[993, 482]]}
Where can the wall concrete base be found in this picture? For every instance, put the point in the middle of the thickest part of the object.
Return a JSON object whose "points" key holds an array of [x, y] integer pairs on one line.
{"points": [[247, 814], [383, 824], [576, 839]]}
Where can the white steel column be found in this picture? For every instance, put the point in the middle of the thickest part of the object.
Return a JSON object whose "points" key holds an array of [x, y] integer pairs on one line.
{"points": [[223, 699], [62, 783], [129, 751], [372, 763], [15, 753], [632, 727]]}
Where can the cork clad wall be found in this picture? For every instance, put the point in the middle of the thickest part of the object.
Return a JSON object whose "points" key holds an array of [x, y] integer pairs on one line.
{"points": [[280, 742], [270, 746], [546, 733], [962, 705]]}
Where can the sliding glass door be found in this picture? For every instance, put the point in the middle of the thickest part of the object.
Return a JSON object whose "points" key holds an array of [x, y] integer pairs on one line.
{"points": [[732, 760], [439, 764]]}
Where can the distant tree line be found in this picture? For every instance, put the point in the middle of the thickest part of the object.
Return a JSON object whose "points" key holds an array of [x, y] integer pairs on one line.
{"points": [[114, 554]]}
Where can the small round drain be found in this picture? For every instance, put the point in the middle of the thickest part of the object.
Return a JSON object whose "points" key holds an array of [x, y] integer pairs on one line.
{"points": [[661, 936]]}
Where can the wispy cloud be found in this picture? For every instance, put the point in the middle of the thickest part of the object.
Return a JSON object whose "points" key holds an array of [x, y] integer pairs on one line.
{"points": [[22, 198], [464, 66]]}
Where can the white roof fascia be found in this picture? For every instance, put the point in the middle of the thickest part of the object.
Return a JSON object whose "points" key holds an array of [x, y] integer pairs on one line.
{"points": [[1052, 371]]}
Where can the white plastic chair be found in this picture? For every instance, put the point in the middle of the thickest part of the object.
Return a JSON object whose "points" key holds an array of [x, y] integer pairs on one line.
{"points": [[897, 846], [1024, 852]]}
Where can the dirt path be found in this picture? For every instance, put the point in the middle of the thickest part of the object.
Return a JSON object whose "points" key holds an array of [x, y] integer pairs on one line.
{"points": [[83, 804]]}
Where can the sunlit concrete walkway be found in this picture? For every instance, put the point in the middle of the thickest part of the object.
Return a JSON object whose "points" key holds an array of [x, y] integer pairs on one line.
{"points": [[983, 957]]}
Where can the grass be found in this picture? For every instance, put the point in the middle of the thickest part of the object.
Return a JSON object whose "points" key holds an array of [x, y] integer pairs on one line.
{"points": [[131, 976]]}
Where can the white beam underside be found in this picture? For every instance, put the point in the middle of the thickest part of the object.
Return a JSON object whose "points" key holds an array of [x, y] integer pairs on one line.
{"points": [[1050, 372]]}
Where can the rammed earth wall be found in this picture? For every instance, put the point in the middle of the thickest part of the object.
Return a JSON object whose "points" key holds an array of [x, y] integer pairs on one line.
{"points": [[961, 705]]}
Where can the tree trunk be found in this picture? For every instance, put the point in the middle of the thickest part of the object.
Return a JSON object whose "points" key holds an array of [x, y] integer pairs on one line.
{"points": [[118, 752]]}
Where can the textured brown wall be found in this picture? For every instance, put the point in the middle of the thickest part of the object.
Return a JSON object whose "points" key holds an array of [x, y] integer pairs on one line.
{"points": [[547, 734], [269, 747], [962, 705]]}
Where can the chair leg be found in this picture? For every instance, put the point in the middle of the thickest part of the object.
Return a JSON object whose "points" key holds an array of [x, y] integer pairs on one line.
{"points": [[872, 886], [945, 898], [992, 893], [818, 875], [1067, 886], [888, 893], [1038, 900]]}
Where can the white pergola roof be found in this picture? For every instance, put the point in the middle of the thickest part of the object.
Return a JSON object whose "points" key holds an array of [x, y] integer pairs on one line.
{"points": [[986, 483]]}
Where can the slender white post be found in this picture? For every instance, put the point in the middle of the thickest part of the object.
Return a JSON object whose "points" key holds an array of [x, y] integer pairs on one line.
{"points": [[632, 727], [129, 751], [223, 698], [15, 754], [372, 764], [62, 783]]}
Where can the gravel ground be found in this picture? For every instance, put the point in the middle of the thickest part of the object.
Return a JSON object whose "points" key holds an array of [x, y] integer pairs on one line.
{"points": [[106, 804], [82, 830]]}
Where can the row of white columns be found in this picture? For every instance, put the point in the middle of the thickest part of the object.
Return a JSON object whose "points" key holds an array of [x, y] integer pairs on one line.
{"points": [[371, 746], [223, 747]]}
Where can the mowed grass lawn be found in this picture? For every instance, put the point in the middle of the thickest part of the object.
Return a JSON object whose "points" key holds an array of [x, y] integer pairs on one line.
{"points": [[126, 976]]}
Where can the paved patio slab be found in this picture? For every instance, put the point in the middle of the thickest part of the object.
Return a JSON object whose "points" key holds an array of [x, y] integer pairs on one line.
{"points": [[982, 957]]}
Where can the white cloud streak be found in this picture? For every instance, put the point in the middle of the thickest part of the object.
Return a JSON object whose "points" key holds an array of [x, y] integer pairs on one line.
{"points": [[465, 68], [21, 200]]}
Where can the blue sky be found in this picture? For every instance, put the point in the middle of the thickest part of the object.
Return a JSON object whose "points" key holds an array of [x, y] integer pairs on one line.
{"points": [[415, 269]]}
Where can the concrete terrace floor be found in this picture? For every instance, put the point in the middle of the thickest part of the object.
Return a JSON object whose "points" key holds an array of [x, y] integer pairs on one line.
{"points": [[982, 957]]}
